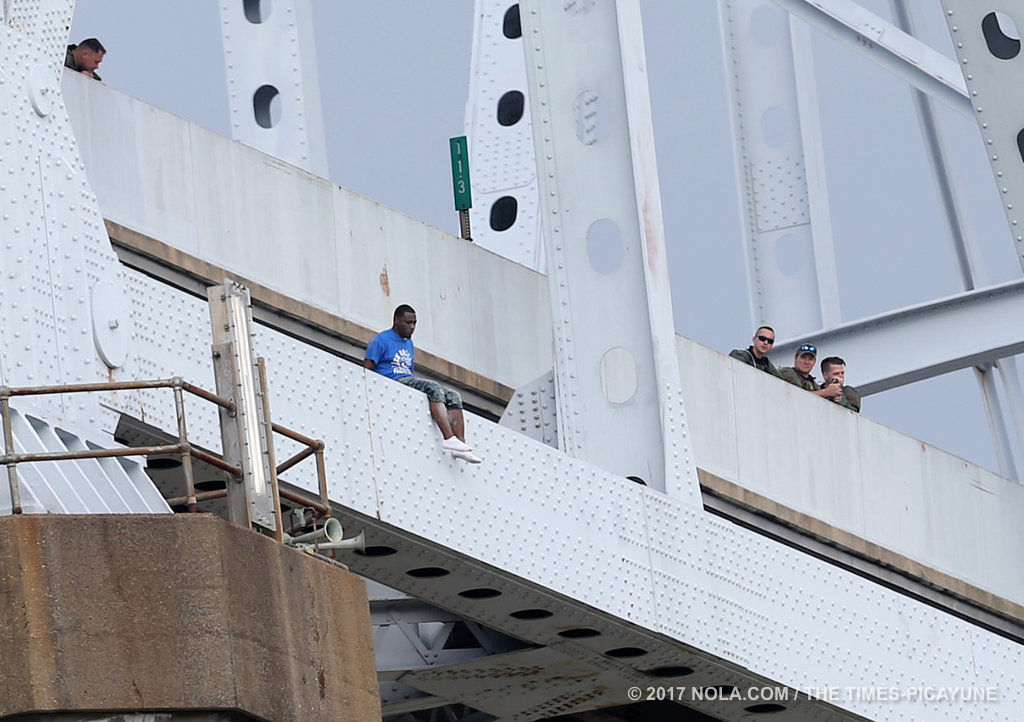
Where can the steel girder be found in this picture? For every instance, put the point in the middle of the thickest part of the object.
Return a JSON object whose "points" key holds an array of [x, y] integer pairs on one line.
{"points": [[539, 546], [926, 69], [919, 342], [619, 404], [989, 55], [790, 259], [500, 136], [273, 85]]}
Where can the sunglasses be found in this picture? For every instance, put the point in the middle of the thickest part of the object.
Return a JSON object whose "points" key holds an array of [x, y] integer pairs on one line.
{"points": [[765, 339], [808, 349]]}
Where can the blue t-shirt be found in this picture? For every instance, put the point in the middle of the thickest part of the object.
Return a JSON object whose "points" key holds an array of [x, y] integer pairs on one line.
{"points": [[392, 354]]}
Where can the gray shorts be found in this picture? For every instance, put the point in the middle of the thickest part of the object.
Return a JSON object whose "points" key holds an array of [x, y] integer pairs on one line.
{"points": [[434, 391]]}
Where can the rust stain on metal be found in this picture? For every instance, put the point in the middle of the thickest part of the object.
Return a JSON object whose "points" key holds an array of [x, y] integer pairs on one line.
{"points": [[385, 285]]}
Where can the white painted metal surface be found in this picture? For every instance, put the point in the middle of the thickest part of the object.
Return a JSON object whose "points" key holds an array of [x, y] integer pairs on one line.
{"points": [[53, 247], [615, 380], [964, 247], [83, 486], [273, 84], [898, 347], [846, 470], [787, 230], [504, 169], [650, 571], [531, 410], [589, 549], [59, 277], [861, 30], [343, 253], [991, 81]]}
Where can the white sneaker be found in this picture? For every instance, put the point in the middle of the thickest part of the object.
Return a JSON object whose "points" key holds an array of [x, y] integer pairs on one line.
{"points": [[454, 444], [468, 456]]}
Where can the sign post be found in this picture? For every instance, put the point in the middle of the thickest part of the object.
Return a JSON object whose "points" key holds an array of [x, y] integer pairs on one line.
{"points": [[460, 183]]}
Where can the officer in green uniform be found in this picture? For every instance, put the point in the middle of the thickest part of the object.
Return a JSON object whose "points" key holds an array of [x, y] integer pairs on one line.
{"points": [[756, 354], [833, 371], [799, 374], [85, 57]]}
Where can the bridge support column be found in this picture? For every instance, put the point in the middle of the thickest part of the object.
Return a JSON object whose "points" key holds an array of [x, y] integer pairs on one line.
{"points": [[133, 614]]}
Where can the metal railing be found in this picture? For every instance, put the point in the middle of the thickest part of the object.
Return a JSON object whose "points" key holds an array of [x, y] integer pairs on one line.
{"points": [[187, 452]]}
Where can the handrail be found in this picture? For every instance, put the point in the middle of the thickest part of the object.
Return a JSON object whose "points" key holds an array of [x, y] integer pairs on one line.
{"points": [[183, 448]]}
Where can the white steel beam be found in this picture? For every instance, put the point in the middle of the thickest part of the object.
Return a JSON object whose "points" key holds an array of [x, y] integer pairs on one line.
{"points": [[61, 277], [937, 156], [781, 167], [825, 274], [273, 86], [503, 168], [919, 342], [964, 252], [996, 420], [1014, 398], [923, 67], [989, 54], [619, 403], [615, 580]]}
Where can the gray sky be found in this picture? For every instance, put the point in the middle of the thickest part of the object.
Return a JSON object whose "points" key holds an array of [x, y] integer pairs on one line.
{"points": [[394, 77]]}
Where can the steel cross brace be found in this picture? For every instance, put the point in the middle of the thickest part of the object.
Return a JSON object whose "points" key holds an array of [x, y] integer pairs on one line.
{"points": [[900, 347], [923, 67]]}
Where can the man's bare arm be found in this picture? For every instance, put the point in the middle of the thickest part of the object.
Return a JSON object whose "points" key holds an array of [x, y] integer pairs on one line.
{"points": [[368, 363]]}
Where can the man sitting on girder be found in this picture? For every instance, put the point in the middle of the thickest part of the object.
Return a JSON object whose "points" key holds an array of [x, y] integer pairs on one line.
{"points": [[833, 373], [756, 354], [85, 57], [799, 374], [391, 353]]}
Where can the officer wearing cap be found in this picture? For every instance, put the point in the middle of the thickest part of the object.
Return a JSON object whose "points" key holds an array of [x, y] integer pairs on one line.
{"points": [[799, 374]]}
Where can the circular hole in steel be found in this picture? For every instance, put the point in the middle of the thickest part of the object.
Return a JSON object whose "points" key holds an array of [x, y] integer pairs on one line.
{"points": [[503, 213], [618, 375], [767, 25], [792, 252], [579, 633], [512, 25], [428, 572], [266, 106], [510, 107], [480, 593], [1001, 35], [163, 462], [376, 551], [625, 652], [213, 485], [605, 249], [637, 480], [532, 614], [766, 708], [777, 127], [256, 11], [670, 671]]}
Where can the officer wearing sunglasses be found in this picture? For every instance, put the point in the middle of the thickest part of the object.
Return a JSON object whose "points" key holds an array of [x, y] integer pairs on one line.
{"points": [[756, 354]]}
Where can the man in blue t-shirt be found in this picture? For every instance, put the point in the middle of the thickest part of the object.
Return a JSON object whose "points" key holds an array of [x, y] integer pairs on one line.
{"points": [[391, 353]]}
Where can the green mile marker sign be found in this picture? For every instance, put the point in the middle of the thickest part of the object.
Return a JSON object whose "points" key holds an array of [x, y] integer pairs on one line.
{"points": [[460, 173]]}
